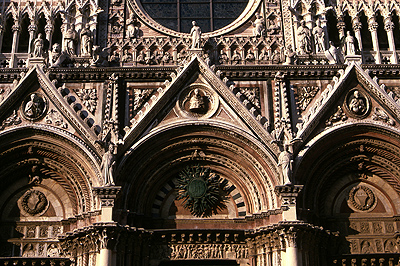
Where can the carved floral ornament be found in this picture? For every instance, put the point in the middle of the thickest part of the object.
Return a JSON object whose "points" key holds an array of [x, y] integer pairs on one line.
{"points": [[197, 101]]}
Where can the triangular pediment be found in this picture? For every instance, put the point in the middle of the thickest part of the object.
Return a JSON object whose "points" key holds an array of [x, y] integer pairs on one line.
{"points": [[35, 100], [197, 95], [353, 97]]}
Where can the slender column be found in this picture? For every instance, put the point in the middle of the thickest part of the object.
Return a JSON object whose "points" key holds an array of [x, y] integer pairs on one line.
{"points": [[373, 28], [31, 30], [16, 29], [389, 26], [14, 48], [341, 27], [357, 26], [48, 29], [1, 36], [291, 256]]}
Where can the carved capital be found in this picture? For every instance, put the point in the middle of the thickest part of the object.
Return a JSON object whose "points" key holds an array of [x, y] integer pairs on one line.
{"points": [[15, 27], [291, 237], [357, 26], [373, 26], [49, 28], [389, 26], [341, 25], [32, 28]]}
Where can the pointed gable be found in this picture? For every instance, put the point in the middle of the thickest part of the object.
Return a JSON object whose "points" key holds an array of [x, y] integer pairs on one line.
{"points": [[36, 100], [176, 101], [351, 98]]}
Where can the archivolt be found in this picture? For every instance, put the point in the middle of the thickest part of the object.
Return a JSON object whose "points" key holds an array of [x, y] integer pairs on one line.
{"points": [[151, 163], [62, 158]]}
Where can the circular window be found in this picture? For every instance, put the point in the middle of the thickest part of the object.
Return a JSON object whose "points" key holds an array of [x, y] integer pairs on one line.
{"points": [[178, 15]]}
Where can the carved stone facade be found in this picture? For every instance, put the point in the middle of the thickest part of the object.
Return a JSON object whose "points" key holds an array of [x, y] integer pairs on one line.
{"points": [[260, 132]]}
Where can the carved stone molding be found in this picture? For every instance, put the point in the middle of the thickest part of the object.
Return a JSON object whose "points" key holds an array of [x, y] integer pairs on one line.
{"points": [[288, 193], [107, 195]]}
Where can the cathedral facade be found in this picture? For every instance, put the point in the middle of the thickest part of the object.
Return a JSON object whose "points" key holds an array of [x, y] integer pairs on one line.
{"points": [[190, 132]]}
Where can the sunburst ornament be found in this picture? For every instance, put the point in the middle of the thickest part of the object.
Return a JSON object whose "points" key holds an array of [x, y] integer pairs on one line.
{"points": [[203, 191]]}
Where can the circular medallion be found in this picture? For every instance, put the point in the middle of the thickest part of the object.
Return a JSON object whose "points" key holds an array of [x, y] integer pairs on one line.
{"points": [[197, 101], [357, 104], [361, 198], [34, 106], [33, 202], [197, 188]]}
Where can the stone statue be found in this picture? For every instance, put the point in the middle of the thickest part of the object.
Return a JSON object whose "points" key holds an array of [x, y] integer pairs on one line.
{"points": [[285, 161], [100, 56], [195, 32], [55, 56], [38, 44], [304, 38], [86, 41], [196, 102], [289, 55], [319, 38], [357, 104], [259, 26], [350, 44], [132, 31], [250, 56], [332, 54], [70, 37], [107, 166], [236, 57], [127, 57], [223, 57]]}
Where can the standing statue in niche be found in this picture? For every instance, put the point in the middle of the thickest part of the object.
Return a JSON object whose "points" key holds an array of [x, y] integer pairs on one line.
{"points": [[285, 161], [86, 41], [304, 37], [55, 56], [38, 44], [107, 166], [319, 38], [132, 31], [195, 33], [70, 37], [350, 44], [259, 26]]}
